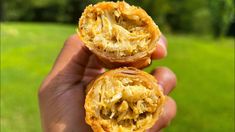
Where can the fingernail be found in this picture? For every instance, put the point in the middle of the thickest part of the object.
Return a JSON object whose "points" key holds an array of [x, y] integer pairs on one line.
{"points": [[162, 44], [102, 70], [160, 87], [165, 105]]}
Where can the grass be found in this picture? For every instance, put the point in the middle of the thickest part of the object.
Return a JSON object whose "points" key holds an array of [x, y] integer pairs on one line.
{"points": [[204, 67]]}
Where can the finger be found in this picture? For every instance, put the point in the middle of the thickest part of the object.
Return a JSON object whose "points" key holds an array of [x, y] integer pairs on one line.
{"points": [[169, 112], [92, 70], [94, 62], [166, 78], [161, 49]]}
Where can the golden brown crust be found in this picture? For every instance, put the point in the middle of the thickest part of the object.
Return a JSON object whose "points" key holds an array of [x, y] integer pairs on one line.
{"points": [[125, 99], [119, 34]]}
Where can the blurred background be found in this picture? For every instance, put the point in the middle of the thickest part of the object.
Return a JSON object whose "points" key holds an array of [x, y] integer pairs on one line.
{"points": [[200, 34]]}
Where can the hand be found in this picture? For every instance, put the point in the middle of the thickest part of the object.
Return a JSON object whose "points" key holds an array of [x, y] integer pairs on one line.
{"points": [[61, 95]]}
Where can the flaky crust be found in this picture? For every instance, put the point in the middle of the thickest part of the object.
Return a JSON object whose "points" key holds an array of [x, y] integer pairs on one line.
{"points": [[125, 99], [119, 34]]}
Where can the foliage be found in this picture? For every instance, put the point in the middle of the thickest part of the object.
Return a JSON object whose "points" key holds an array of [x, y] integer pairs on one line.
{"points": [[223, 13], [204, 67], [197, 16]]}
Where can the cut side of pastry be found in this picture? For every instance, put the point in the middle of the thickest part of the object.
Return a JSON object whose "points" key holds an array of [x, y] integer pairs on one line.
{"points": [[125, 99], [119, 34]]}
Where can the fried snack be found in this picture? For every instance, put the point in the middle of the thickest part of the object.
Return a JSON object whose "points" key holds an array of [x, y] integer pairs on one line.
{"points": [[119, 34], [125, 99]]}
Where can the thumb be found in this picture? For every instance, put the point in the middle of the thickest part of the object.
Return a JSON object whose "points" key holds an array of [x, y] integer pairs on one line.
{"points": [[73, 51], [72, 59]]}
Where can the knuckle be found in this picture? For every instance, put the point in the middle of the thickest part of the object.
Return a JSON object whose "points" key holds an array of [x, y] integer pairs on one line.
{"points": [[42, 88], [71, 39], [41, 91]]}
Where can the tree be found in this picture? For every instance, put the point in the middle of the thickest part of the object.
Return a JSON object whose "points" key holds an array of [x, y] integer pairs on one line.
{"points": [[222, 15]]}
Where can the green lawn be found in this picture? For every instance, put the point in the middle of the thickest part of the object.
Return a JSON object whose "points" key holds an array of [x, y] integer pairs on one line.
{"points": [[204, 67]]}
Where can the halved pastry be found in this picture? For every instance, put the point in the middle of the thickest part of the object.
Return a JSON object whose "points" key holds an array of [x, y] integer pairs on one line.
{"points": [[125, 99], [119, 34]]}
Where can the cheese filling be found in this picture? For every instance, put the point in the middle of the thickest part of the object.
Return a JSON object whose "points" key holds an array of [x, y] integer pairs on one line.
{"points": [[126, 103], [117, 33]]}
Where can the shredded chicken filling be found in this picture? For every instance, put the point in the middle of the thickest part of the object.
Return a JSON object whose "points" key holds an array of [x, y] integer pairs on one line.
{"points": [[114, 32], [125, 102]]}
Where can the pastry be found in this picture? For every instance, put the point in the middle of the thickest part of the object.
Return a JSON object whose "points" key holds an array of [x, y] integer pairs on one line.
{"points": [[119, 34], [124, 99]]}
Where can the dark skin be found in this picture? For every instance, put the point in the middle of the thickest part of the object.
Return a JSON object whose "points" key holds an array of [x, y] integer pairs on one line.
{"points": [[61, 95]]}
